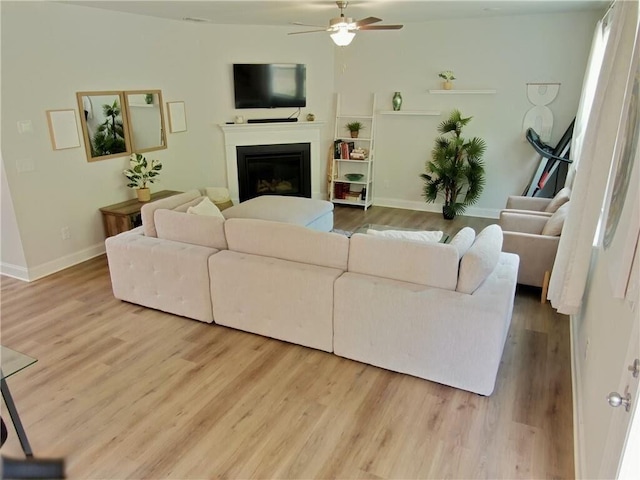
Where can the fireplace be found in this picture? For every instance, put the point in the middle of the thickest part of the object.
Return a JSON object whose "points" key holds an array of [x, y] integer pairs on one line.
{"points": [[279, 169]]}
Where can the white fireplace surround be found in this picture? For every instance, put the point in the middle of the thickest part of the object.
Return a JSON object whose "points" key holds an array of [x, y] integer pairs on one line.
{"points": [[272, 134]]}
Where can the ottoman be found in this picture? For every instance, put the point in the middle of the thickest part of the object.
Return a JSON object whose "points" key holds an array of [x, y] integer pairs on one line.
{"points": [[311, 213]]}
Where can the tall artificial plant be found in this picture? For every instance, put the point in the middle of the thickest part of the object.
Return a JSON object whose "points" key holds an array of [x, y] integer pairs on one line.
{"points": [[456, 170]]}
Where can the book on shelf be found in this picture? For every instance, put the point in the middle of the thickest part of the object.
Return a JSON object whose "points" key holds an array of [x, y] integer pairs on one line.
{"points": [[345, 150]]}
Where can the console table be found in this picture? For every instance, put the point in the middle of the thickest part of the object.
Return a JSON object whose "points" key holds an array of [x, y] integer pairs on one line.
{"points": [[124, 216]]}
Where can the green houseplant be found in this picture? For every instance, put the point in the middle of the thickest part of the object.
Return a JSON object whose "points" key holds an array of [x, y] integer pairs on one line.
{"points": [[447, 76], [109, 138], [456, 169], [142, 173], [354, 128]]}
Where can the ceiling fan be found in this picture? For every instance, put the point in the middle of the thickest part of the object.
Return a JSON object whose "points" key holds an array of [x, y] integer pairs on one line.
{"points": [[343, 29]]}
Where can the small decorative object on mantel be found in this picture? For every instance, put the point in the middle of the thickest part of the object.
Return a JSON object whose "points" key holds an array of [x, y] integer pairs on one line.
{"points": [[447, 75], [456, 169], [141, 173], [310, 117], [354, 128], [397, 101]]}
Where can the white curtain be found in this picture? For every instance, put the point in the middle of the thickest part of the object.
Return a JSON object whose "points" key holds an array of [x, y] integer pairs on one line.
{"points": [[597, 126]]}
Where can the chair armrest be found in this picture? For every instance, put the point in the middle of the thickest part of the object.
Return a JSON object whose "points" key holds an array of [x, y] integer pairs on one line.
{"points": [[527, 212], [527, 203], [537, 254], [522, 222]]}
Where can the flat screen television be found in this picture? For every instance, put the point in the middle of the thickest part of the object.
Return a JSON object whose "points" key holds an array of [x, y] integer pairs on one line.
{"points": [[269, 85]]}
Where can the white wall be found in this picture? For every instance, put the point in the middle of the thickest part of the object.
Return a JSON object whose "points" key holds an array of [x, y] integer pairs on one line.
{"points": [[502, 53], [50, 51]]}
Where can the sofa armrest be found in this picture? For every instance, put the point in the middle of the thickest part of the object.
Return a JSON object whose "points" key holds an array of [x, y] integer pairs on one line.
{"points": [[527, 203], [522, 222]]}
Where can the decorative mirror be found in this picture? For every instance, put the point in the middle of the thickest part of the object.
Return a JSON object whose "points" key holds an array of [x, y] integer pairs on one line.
{"points": [[146, 120], [104, 125]]}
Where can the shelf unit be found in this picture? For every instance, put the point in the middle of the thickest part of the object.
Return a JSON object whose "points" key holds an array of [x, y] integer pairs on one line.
{"points": [[341, 166], [462, 92], [421, 113]]}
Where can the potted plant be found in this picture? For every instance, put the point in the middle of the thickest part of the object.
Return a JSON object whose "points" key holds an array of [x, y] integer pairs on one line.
{"points": [[456, 170], [354, 128], [141, 173], [447, 75]]}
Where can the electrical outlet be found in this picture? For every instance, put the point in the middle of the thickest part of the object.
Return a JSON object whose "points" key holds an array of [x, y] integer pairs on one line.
{"points": [[65, 233]]}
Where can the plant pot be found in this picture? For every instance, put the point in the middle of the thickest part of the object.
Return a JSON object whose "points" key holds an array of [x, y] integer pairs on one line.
{"points": [[354, 134], [144, 194], [447, 85], [448, 212]]}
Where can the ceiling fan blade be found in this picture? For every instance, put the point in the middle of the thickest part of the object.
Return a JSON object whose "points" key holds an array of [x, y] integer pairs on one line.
{"points": [[307, 31], [382, 27], [367, 21], [307, 24]]}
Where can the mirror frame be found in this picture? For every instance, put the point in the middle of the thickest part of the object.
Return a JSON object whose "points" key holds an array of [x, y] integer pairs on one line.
{"points": [[85, 129], [163, 136]]}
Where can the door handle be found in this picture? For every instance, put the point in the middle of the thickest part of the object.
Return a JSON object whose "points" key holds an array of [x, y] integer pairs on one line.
{"points": [[617, 400]]}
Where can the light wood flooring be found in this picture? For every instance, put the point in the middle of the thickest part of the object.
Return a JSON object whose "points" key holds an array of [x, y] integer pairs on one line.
{"points": [[122, 391]]}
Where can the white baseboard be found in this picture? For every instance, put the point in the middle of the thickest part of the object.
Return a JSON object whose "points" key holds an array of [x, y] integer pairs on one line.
{"points": [[433, 207], [578, 444], [14, 271], [48, 268]]}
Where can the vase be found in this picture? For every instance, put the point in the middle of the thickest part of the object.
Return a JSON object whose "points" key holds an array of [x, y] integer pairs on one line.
{"points": [[397, 101], [144, 194], [354, 134], [447, 85], [448, 212]]}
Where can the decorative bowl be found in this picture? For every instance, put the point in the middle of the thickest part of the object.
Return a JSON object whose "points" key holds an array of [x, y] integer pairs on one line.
{"points": [[354, 177]]}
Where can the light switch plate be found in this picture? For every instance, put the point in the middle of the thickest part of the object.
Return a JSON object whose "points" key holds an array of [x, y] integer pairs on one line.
{"points": [[25, 126], [24, 165]]}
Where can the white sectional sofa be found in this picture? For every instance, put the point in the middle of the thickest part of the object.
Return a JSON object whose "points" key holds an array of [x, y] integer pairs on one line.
{"points": [[436, 311]]}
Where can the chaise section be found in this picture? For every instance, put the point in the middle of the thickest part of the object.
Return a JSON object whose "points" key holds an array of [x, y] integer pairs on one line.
{"points": [[277, 280], [161, 274], [412, 320]]}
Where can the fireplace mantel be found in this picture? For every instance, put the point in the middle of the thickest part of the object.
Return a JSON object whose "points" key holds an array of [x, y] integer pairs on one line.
{"points": [[272, 134]]}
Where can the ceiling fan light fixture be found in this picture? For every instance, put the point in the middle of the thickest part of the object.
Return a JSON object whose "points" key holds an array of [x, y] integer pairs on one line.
{"points": [[342, 37]]}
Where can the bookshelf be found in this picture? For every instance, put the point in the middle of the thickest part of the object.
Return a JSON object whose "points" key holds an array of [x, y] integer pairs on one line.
{"points": [[346, 159]]}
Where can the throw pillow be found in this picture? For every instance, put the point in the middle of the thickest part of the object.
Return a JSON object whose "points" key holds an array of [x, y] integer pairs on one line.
{"points": [[480, 260], [554, 225], [560, 199], [422, 236], [463, 240], [205, 207]]}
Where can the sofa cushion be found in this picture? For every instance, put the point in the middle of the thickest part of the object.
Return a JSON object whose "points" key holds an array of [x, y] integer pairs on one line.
{"points": [[423, 263], [206, 208], [297, 210], [463, 240], [480, 260], [204, 230], [287, 242], [554, 225], [420, 236], [147, 211], [560, 199]]}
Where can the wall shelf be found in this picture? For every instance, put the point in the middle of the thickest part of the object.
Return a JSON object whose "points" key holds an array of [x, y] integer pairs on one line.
{"points": [[462, 92], [423, 113]]}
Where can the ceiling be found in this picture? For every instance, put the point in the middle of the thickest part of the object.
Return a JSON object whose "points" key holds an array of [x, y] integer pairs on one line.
{"points": [[318, 12]]}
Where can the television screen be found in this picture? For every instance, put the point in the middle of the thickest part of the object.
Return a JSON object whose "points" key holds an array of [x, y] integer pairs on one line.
{"points": [[269, 85]]}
